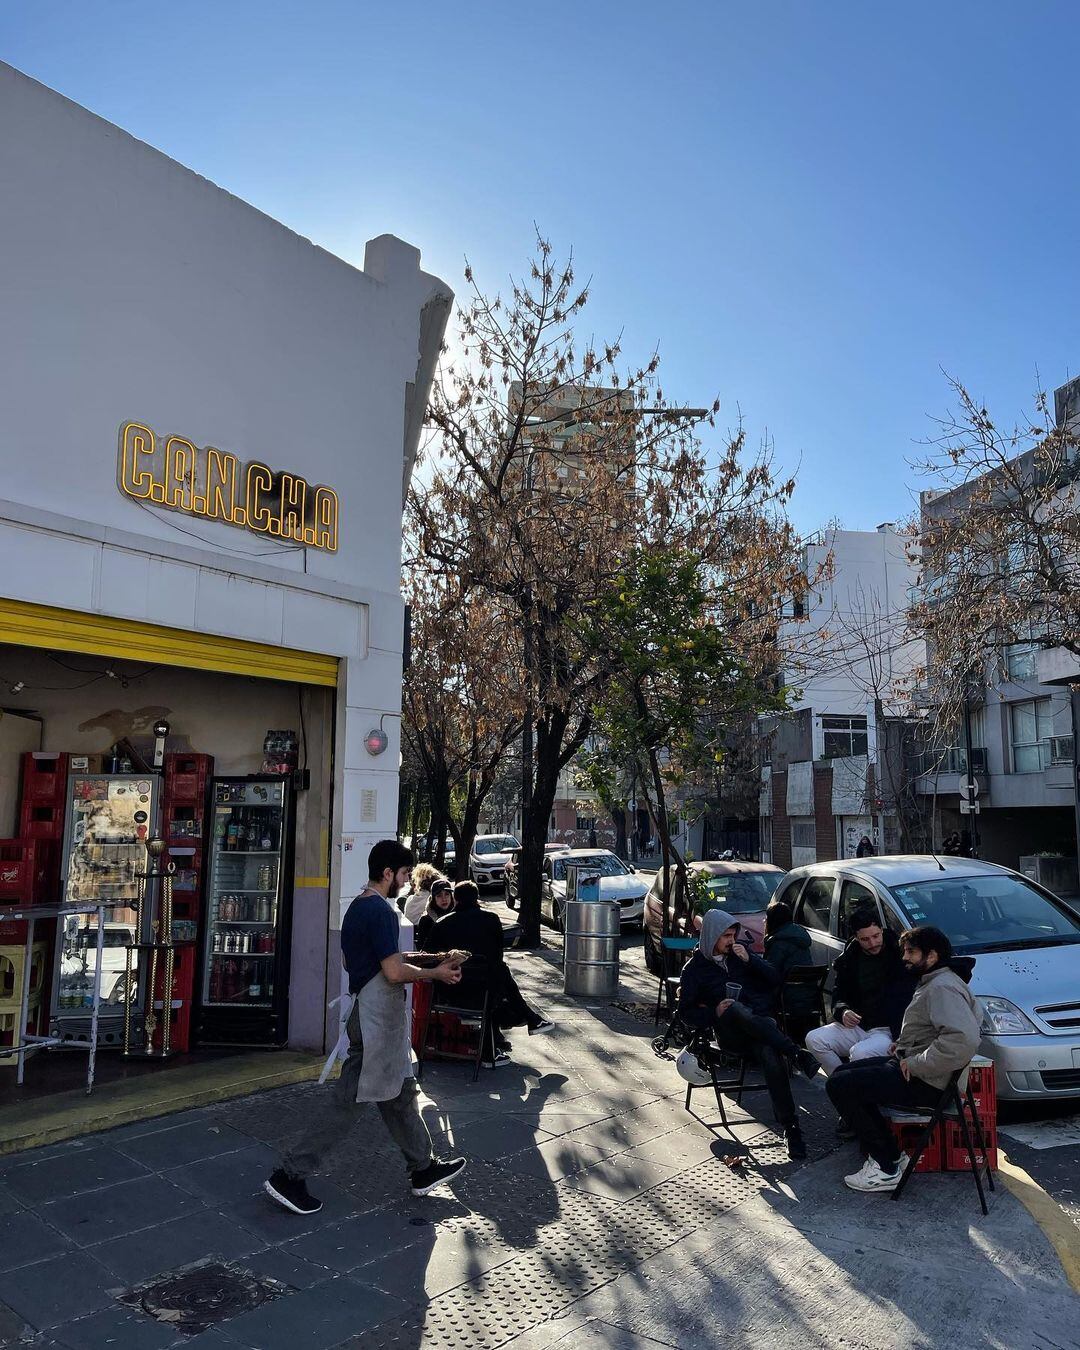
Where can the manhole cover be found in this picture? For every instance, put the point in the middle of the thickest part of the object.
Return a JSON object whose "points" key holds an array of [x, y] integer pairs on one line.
{"points": [[203, 1294]]}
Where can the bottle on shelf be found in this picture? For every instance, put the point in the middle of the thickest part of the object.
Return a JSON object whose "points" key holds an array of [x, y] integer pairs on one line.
{"points": [[232, 833], [254, 986]]}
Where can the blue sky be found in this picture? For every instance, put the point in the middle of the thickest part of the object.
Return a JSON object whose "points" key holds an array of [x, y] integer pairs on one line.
{"points": [[813, 208]]}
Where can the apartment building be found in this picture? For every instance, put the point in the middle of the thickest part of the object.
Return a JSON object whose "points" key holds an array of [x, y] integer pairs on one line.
{"points": [[832, 765]]}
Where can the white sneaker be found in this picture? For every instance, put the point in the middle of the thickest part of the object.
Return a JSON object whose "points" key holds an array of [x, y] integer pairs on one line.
{"points": [[870, 1177]]}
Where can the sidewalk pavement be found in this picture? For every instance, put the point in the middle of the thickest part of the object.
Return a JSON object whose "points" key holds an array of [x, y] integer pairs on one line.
{"points": [[595, 1211]]}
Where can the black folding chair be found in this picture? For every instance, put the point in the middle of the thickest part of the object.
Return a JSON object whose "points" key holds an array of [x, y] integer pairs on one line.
{"points": [[950, 1106], [449, 999], [720, 1061], [802, 999]]}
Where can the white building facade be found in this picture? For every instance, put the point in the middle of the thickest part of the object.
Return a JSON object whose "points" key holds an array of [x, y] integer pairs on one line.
{"points": [[848, 663], [207, 424]]}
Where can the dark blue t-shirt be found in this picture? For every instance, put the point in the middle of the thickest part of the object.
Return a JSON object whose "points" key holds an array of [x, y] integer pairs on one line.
{"points": [[369, 934]]}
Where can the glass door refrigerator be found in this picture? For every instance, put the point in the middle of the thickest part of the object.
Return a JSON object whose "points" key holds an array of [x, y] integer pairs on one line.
{"points": [[245, 960], [108, 818]]}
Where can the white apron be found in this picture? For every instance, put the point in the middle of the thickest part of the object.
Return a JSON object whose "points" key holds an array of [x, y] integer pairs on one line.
{"points": [[386, 1033]]}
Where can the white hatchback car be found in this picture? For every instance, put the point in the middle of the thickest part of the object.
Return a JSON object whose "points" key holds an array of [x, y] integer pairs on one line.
{"points": [[1025, 941]]}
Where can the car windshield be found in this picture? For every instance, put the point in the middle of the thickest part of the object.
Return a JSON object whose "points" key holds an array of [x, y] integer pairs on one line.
{"points": [[605, 864], [497, 843], [988, 913], [744, 892]]}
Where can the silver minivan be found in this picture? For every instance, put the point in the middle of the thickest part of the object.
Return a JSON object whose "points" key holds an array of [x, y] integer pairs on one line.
{"points": [[1025, 941]]}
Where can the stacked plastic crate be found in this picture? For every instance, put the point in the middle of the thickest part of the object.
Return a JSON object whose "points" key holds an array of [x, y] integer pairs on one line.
{"points": [[945, 1151], [29, 874], [185, 797], [983, 1084]]}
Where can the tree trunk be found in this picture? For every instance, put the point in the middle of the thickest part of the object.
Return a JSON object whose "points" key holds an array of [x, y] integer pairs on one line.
{"points": [[669, 853], [550, 756], [465, 834]]}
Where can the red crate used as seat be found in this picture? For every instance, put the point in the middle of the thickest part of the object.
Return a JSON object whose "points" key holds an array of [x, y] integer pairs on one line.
{"points": [[957, 1158], [44, 778], [907, 1135]]}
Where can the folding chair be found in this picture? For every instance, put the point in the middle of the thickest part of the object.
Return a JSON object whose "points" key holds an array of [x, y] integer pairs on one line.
{"points": [[447, 998], [802, 985], [708, 1052], [950, 1106], [674, 954]]}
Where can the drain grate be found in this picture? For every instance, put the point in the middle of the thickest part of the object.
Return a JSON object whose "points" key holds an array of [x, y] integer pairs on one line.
{"points": [[201, 1295]]}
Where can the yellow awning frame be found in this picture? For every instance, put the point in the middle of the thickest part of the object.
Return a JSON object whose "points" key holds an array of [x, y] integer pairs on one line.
{"points": [[68, 630]]}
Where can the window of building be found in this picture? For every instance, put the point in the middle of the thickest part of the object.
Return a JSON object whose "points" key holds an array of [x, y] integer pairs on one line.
{"points": [[804, 833], [586, 822], [1020, 660], [844, 736], [1031, 725]]}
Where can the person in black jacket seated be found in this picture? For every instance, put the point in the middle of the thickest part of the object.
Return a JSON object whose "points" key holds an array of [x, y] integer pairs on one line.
{"points": [[469, 927], [871, 989], [743, 1024]]}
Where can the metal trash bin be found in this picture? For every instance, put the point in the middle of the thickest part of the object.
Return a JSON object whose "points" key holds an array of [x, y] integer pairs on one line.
{"points": [[591, 948]]}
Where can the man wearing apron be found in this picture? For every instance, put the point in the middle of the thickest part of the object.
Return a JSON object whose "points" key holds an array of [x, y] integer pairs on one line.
{"points": [[378, 1065]]}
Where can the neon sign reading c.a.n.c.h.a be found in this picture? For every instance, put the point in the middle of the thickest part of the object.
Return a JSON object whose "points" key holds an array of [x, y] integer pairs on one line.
{"points": [[214, 484]]}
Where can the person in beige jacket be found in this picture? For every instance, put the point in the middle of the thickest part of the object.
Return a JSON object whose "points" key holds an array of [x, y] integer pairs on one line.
{"points": [[939, 1034]]}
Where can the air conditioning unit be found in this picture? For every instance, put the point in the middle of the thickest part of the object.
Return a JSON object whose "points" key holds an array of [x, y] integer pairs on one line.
{"points": [[1061, 749]]}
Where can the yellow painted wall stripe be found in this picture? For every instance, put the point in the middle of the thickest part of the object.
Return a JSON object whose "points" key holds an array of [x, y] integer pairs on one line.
{"points": [[312, 883], [69, 630]]}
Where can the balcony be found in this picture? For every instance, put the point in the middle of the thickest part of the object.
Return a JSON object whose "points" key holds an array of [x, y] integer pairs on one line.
{"points": [[942, 771], [951, 761]]}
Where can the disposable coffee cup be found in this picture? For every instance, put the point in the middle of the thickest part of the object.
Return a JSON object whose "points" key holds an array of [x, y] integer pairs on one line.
{"points": [[732, 991]]}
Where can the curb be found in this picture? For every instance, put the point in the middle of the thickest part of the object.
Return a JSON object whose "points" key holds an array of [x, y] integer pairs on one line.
{"points": [[1062, 1233], [68, 1115]]}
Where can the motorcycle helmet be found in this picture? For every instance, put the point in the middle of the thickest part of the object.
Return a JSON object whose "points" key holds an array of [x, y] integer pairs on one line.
{"points": [[691, 1069]]}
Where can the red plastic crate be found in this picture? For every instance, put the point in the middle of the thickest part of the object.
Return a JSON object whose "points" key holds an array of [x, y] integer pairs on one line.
{"points": [[24, 868], [189, 865], [185, 824], [38, 820], [186, 778], [183, 980], [44, 778], [180, 1037], [183, 988], [907, 1135], [982, 1083], [957, 1158]]}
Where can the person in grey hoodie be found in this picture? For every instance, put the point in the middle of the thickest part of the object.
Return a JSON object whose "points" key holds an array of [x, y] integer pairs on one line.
{"points": [[939, 1034], [730, 991]]}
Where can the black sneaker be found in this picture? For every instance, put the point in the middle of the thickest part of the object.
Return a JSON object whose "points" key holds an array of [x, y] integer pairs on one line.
{"points": [[796, 1144], [542, 1028], [501, 1058], [435, 1174], [806, 1061], [291, 1193]]}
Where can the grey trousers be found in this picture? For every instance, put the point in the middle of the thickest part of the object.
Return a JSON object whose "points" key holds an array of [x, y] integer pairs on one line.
{"points": [[338, 1111]]}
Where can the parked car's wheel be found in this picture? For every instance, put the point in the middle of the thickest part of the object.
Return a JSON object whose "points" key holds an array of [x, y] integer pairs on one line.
{"points": [[652, 954], [509, 898], [558, 912]]}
